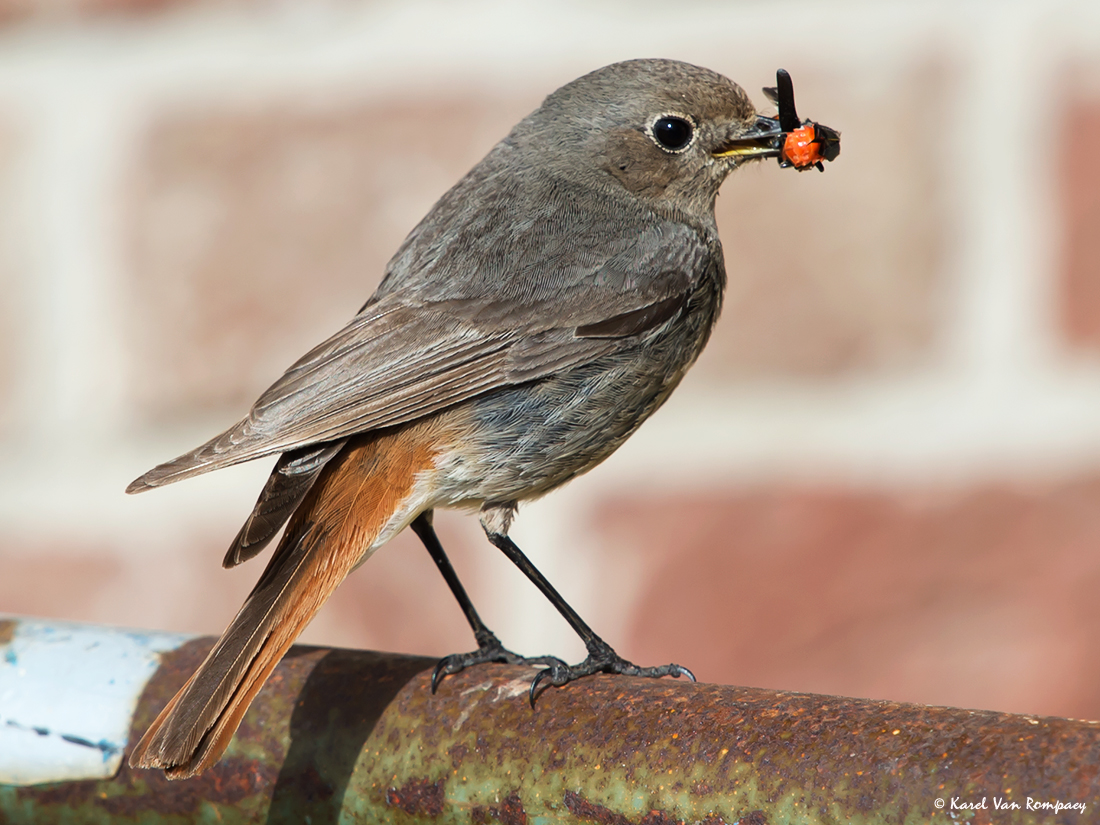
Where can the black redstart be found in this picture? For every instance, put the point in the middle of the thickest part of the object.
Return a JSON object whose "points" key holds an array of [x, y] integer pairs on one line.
{"points": [[543, 309]]}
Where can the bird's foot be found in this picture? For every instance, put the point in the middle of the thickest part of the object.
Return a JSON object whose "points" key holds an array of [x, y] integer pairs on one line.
{"points": [[601, 659], [489, 649]]}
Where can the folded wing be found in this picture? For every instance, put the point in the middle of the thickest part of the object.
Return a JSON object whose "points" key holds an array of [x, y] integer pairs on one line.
{"points": [[402, 359]]}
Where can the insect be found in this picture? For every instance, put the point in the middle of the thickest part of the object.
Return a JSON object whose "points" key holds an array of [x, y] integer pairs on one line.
{"points": [[805, 143], [798, 144]]}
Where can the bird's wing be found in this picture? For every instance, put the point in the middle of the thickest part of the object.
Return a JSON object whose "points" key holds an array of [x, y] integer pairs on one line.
{"points": [[400, 360]]}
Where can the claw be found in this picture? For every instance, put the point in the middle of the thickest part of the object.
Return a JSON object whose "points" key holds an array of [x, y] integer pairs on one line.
{"points": [[560, 673], [680, 670], [534, 692], [457, 662], [439, 672], [600, 659]]}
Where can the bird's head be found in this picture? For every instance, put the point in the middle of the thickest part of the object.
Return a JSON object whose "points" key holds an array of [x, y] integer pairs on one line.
{"points": [[667, 132]]}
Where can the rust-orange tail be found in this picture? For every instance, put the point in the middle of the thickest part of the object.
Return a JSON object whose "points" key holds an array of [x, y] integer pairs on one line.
{"points": [[358, 496]]}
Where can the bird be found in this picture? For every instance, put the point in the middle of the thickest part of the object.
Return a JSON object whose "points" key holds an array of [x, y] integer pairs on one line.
{"points": [[543, 309]]}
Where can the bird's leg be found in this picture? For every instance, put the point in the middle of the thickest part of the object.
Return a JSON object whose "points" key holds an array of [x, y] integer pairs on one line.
{"points": [[489, 647], [601, 656], [423, 528]]}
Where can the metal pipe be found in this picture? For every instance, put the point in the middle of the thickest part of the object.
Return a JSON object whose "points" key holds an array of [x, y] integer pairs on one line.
{"points": [[355, 736]]}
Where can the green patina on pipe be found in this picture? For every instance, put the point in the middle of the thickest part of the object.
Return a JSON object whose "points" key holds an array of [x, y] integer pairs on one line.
{"points": [[352, 736]]}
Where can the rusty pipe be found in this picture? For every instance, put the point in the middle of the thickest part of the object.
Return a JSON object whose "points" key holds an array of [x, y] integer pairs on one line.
{"points": [[355, 736]]}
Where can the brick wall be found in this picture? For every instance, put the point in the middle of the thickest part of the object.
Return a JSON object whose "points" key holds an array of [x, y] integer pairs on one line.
{"points": [[882, 479]]}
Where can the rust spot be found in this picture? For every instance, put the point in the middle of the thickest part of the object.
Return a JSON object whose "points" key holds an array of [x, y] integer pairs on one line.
{"points": [[510, 812], [54, 794], [418, 797], [7, 630], [232, 782], [581, 807], [458, 753]]}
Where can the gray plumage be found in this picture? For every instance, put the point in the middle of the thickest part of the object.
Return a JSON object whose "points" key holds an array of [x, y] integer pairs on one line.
{"points": [[573, 219], [539, 313]]}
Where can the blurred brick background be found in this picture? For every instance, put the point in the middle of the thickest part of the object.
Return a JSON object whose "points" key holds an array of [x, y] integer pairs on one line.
{"points": [[882, 479]]}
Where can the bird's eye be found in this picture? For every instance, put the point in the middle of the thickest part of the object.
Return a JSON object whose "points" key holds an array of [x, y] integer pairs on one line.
{"points": [[672, 133]]}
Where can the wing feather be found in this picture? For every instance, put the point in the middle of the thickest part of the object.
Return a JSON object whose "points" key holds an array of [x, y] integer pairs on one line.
{"points": [[404, 358]]}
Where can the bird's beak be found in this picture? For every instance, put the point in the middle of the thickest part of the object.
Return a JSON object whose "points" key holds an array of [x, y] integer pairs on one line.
{"points": [[763, 140]]}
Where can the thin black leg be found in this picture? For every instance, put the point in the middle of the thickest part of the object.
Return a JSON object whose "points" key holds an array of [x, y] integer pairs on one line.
{"points": [[520, 560], [489, 647], [601, 656], [423, 528]]}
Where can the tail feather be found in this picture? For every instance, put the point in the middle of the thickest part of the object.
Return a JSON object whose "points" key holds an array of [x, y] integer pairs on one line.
{"points": [[197, 725], [286, 488], [362, 495]]}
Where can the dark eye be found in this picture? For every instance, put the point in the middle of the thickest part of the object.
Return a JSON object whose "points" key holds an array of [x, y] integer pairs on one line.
{"points": [[672, 133]]}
